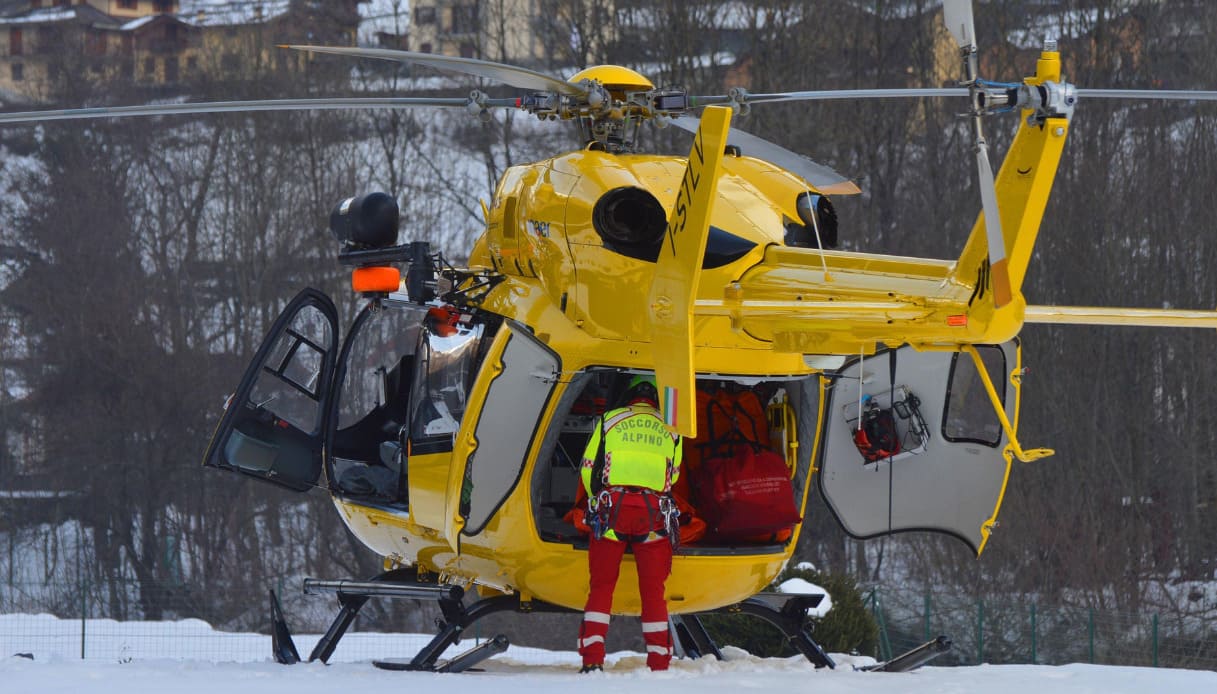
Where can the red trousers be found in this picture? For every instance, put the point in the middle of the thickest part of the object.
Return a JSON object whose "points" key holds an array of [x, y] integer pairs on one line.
{"points": [[654, 561]]}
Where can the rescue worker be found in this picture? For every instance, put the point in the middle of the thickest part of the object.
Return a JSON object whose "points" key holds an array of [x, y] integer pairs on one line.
{"points": [[629, 465]]}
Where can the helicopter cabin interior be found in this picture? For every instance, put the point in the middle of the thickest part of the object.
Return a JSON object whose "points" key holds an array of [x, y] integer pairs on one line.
{"points": [[742, 479]]}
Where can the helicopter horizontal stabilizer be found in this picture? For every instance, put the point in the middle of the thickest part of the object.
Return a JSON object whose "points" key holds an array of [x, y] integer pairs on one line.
{"points": [[678, 270], [1102, 315]]}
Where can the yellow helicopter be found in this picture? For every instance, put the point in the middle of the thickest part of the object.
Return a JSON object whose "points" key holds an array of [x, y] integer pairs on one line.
{"points": [[448, 423]]}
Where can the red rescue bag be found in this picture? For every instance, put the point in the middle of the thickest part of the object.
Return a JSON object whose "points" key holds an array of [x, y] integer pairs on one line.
{"points": [[746, 497]]}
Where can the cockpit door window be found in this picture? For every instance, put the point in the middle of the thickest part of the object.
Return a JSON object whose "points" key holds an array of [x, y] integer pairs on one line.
{"points": [[272, 425]]}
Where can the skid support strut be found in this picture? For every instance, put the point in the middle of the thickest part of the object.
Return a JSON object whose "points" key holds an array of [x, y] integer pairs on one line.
{"points": [[789, 614]]}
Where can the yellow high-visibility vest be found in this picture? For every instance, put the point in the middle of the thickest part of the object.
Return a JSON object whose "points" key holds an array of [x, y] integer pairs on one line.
{"points": [[638, 450]]}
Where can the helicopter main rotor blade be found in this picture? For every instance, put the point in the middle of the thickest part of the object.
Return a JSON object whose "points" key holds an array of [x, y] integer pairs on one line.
{"points": [[1165, 94], [507, 74], [829, 94], [241, 107], [957, 15], [837, 94], [821, 177]]}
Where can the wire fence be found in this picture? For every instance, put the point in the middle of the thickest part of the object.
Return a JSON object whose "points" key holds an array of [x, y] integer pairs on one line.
{"points": [[1025, 632], [57, 620]]}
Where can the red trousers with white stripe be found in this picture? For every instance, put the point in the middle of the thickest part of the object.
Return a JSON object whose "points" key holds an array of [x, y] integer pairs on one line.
{"points": [[654, 561]]}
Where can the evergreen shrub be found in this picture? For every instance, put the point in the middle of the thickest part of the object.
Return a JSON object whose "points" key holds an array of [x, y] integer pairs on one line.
{"points": [[848, 628]]}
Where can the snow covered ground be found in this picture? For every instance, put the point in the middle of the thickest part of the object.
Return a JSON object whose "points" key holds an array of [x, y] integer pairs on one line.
{"points": [[119, 663], [508, 674]]}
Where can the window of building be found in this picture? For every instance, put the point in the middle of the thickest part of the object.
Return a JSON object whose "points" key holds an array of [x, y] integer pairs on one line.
{"points": [[424, 15], [162, 6], [464, 19], [467, 49], [95, 44], [192, 63], [425, 48], [14, 41], [18, 73], [171, 69], [150, 67], [128, 4]]}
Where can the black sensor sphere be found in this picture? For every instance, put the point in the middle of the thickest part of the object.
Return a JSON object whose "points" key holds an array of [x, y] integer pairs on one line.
{"points": [[368, 221]]}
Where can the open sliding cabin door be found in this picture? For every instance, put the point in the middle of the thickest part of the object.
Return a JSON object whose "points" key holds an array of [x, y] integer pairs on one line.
{"points": [[272, 425], [935, 460], [524, 373]]}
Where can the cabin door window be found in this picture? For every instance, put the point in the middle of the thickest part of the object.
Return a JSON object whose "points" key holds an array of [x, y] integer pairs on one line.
{"points": [[511, 415], [447, 364]]}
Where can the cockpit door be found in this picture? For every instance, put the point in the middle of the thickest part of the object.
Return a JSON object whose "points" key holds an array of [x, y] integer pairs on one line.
{"points": [[272, 424], [930, 455], [494, 448]]}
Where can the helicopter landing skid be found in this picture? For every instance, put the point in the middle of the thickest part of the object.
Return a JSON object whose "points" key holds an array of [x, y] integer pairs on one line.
{"points": [[402, 583], [461, 663], [788, 613]]}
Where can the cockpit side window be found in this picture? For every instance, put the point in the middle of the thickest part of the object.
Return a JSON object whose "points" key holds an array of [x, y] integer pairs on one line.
{"points": [[290, 380], [448, 360]]}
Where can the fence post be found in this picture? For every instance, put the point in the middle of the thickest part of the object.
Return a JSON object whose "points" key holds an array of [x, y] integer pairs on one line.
{"points": [[1155, 648], [927, 616], [1090, 629], [885, 646], [84, 613], [980, 632], [1034, 658]]}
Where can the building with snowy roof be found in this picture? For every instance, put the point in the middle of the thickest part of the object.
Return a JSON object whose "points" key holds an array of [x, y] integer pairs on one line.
{"points": [[158, 43]]}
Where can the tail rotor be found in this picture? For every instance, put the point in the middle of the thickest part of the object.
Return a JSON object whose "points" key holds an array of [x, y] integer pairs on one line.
{"points": [[958, 17]]}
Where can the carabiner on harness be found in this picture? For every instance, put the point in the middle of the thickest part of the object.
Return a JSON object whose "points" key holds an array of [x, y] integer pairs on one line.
{"points": [[671, 519], [600, 513]]}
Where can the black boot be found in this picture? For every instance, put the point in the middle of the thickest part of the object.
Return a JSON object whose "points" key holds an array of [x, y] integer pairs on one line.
{"points": [[590, 668]]}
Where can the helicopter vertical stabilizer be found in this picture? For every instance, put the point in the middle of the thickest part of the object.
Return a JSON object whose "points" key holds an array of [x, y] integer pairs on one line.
{"points": [[678, 270], [1020, 195]]}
